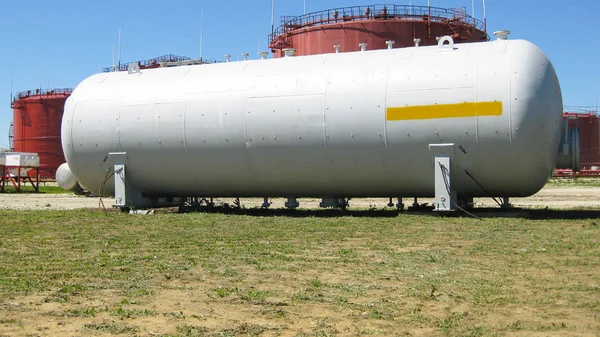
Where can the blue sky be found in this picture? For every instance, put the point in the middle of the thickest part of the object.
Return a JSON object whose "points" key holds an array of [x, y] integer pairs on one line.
{"points": [[59, 43]]}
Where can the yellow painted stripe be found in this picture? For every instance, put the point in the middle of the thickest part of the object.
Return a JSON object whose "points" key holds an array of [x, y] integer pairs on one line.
{"points": [[467, 109]]}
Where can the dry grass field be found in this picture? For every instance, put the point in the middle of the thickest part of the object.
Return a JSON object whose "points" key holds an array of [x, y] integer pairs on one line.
{"points": [[86, 272], [316, 273]]}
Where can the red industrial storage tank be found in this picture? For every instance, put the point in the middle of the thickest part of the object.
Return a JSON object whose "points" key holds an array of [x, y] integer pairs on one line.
{"points": [[319, 32], [37, 118], [588, 125]]}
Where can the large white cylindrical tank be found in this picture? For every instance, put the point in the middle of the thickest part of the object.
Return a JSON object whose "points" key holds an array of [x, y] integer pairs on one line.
{"points": [[350, 124]]}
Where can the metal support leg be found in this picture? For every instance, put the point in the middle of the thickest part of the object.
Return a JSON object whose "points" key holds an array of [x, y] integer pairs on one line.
{"points": [[400, 204], [415, 203], [330, 202], [266, 203], [390, 203], [466, 202], [506, 202], [445, 197], [292, 203], [126, 195]]}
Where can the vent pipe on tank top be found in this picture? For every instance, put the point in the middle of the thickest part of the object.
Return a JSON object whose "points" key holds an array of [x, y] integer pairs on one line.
{"points": [[289, 52], [502, 34]]}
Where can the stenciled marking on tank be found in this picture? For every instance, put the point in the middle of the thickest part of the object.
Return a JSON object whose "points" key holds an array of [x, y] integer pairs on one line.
{"points": [[433, 111]]}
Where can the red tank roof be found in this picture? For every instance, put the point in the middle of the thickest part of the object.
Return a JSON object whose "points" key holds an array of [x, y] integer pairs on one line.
{"points": [[318, 32]]}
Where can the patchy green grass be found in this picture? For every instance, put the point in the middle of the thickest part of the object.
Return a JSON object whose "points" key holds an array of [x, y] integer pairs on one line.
{"points": [[131, 313], [27, 188], [86, 312], [583, 181], [11, 321], [111, 328], [314, 274]]}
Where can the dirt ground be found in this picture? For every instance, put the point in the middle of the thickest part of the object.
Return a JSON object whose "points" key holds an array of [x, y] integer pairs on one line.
{"points": [[555, 197], [184, 302]]}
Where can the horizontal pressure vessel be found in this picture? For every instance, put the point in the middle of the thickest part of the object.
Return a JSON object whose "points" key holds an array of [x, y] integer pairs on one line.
{"points": [[360, 124]]}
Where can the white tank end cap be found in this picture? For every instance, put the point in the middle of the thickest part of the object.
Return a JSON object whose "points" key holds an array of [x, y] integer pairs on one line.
{"points": [[65, 178]]}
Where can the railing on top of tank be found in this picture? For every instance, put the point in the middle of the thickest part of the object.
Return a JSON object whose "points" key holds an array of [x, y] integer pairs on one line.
{"points": [[372, 12], [152, 63], [38, 92], [586, 110]]}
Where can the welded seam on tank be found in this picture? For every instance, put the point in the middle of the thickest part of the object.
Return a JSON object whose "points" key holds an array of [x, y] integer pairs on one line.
{"points": [[385, 98], [436, 111], [476, 89], [510, 97]]}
